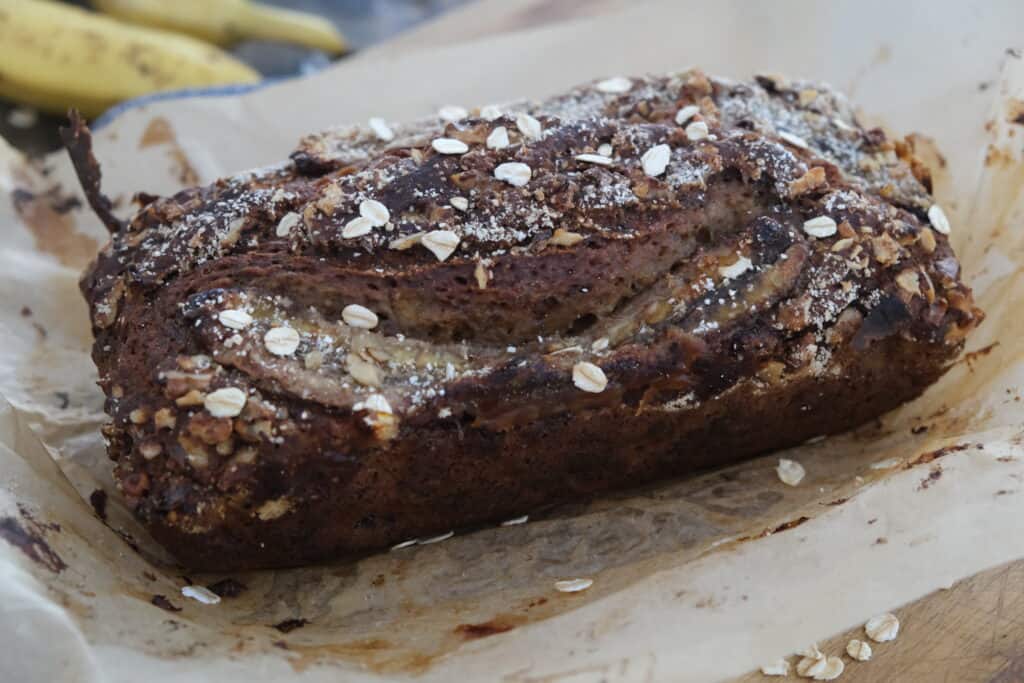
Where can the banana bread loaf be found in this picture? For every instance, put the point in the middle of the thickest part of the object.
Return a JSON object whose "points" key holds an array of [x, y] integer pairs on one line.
{"points": [[407, 329]]}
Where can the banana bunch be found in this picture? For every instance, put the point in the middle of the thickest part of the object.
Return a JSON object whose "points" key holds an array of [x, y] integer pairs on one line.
{"points": [[54, 56], [226, 22]]}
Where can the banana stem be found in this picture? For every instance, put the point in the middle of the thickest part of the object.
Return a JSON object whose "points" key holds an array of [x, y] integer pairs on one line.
{"points": [[262, 22]]}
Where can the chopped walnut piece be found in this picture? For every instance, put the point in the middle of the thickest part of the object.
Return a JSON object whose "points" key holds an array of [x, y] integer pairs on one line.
{"points": [[245, 456], [887, 250], [272, 509], [858, 258], [481, 274], [909, 282], [164, 419], [208, 429], [149, 449], [814, 179], [198, 459], [191, 363], [254, 430], [842, 244], [180, 383], [192, 398], [927, 239], [565, 238], [844, 229], [406, 242], [139, 416]]}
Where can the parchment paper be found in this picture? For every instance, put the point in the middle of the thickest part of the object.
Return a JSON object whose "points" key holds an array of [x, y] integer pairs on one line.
{"points": [[694, 580]]}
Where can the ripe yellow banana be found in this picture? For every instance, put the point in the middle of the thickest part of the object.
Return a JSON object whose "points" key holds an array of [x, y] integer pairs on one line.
{"points": [[226, 22], [55, 56]]}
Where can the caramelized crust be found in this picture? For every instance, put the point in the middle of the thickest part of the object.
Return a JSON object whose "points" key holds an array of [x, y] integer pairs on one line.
{"points": [[379, 340]]}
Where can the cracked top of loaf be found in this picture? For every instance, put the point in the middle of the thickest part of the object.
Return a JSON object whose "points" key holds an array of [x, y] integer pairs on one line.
{"points": [[480, 262]]}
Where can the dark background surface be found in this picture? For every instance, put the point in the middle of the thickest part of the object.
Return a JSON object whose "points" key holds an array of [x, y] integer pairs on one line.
{"points": [[363, 23]]}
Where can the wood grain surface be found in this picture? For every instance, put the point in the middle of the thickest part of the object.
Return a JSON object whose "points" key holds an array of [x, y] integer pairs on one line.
{"points": [[970, 633]]}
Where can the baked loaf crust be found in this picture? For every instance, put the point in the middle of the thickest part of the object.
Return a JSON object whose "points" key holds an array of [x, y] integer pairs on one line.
{"points": [[409, 329]]}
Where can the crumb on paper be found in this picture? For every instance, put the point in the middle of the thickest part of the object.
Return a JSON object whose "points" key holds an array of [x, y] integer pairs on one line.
{"points": [[228, 588], [163, 603], [98, 500], [886, 464], [200, 594], [790, 472], [289, 625], [573, 585]]}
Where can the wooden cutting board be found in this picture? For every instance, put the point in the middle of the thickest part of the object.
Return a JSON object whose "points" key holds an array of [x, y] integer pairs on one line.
{"points": [[970, 633]]}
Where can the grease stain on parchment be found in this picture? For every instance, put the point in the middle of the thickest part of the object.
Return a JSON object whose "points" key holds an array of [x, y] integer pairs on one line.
{"points": [[49, 216], [160, 132], [29, 536]]}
